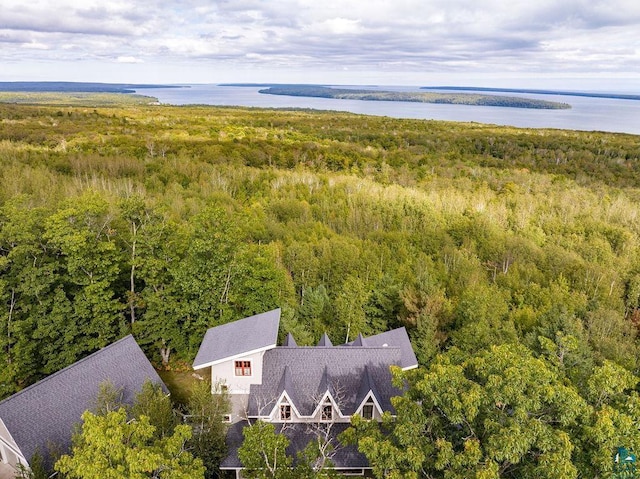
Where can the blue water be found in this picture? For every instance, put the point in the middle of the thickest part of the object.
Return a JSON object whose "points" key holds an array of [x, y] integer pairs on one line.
{"points": [[588, 114]]}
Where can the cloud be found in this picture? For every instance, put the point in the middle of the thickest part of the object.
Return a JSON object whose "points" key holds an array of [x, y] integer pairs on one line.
{"points": [[128, 59], [405, 35]]}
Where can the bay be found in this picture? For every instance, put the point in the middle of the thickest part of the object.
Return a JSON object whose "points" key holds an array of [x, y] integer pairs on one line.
{"points": [[586, 113]]}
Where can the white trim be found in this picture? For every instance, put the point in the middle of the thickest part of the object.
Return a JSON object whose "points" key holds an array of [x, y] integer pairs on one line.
{"points": [[408, 368], [345, 471], [12, 449], [274, 415], [322, 402], [235, 356], [15, 450], [373, 398], [250, 361]]}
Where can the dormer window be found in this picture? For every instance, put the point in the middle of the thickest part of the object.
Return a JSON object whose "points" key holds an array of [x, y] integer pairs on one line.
{"points": [[285, 412], [367, 409], [243, 368], [327, 411]]}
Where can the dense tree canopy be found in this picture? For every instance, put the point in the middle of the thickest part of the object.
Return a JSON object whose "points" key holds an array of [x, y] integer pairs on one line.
{"points": [[493, 246], [112, 447]]}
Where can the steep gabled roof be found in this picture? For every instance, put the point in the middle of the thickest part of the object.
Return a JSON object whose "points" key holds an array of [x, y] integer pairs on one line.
{"points": [[312, 371], [289, 342], [45, 413], [396, 338], [326, 385], [367, 385], [325, 341], [255, 333]]}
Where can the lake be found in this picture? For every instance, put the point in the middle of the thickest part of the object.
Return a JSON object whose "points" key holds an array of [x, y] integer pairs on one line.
{"points": [[589, 114]]}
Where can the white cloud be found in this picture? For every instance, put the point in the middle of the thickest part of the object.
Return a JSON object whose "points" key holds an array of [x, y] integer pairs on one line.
{"points": [[339, 26], [128, 59], [33, 45], [401, 35]]}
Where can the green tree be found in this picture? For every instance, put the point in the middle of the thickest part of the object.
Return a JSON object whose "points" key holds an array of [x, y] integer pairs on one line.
{"points": [[264, 452], [137, 216], [111, 447], [152, 402], [614, 423], [29, 275], [81, 235], [499, 413], [262, 283], [206, 415], [350, 308]]}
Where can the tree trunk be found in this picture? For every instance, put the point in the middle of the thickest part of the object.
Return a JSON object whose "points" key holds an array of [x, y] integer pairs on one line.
{"points": [[165, 352]]}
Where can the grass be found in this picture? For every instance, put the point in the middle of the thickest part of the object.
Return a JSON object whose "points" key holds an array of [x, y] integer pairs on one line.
{"points": [[179, 384]]}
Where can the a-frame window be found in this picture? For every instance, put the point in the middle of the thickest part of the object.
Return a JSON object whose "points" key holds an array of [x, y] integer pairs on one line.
{"points": [[327, 410]]}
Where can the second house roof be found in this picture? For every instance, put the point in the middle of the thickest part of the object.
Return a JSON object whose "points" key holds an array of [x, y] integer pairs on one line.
{"points": [[255, 333]]}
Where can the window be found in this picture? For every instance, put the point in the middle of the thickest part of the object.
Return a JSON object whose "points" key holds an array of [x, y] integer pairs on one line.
{"points": [[243, 368], [285, 412], [327, 412], [367, 409]]}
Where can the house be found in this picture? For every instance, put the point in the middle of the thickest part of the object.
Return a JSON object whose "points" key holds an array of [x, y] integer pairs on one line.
{"points": [[305, 391], [43, 415]]}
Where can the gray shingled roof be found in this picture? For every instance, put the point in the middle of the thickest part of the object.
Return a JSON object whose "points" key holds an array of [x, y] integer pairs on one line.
{"points": [[299, 436], [309, 367], [367, 385], [289, 341], [325, 341], [46, 412], [238, 337], [396, 338]]}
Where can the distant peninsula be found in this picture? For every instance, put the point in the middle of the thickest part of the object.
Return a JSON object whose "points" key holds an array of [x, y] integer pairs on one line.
{"points": [[76, 87], [615, 96], [474, 99]]}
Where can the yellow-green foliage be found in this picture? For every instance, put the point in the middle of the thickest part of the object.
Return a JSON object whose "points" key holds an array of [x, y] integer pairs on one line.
{"points": [[76, 99], [164, 221], [472, 213]]}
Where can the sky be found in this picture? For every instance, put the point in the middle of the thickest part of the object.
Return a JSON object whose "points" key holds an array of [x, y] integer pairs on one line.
{"points": [[587, 44]]}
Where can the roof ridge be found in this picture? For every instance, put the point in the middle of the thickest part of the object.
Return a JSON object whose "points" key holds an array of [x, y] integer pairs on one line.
{"points": [[325, 341], [351, 348], [70, 366], [290, 341]]}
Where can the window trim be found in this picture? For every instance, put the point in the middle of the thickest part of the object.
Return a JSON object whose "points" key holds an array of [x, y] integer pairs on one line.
{"points": [[285, 412], [244, 367], [368, 405], [326, 407]]}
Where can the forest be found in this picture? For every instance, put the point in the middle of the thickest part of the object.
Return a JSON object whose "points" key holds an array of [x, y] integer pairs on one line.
{"points": [[510, 255], [457, 98]]}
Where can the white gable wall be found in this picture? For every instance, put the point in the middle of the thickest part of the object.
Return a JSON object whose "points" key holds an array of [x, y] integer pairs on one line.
{"points": [[224, 373], [9, 449]]}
